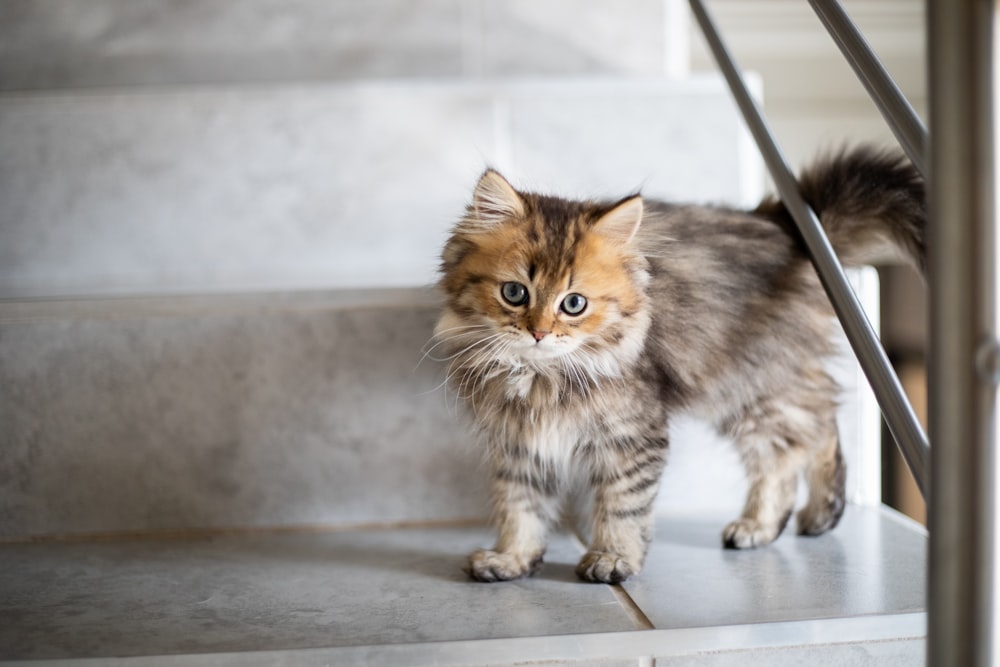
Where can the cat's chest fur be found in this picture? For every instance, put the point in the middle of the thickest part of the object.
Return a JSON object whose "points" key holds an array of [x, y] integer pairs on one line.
{"points": [[553, 416]]}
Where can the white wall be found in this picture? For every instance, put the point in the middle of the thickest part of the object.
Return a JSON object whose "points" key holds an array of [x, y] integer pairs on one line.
{"points": [[814, 102], [812, 97]]}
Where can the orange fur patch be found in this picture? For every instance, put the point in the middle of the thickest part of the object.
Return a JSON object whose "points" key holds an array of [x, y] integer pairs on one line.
{"points": [[597, 270]]}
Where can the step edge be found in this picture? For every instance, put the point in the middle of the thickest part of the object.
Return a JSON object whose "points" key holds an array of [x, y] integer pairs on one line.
{"points": [[676, 642], [695, 83], [103, 307]]}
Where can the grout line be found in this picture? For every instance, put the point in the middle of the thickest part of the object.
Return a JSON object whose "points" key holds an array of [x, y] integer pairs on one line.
{"points": [[238, 531], [638, 616], [628, 605]]}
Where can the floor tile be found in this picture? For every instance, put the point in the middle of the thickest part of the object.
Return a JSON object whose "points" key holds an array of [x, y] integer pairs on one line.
{"points": [[872, 563], [281, 591]]}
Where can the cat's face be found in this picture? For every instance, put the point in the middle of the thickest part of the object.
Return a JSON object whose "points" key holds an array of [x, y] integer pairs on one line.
{"points": [[533, 280]]}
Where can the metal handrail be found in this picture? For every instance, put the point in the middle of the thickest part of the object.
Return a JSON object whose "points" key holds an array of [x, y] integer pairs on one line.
{"points": [[896, 409], [963, 369], [962, 154], [895, 108]]}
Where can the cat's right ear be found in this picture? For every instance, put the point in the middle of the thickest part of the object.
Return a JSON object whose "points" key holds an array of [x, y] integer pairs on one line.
{"points": [[495, 200]]}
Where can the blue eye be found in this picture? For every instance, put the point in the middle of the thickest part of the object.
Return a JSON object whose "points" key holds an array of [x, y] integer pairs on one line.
{"points": [[574, 304], [515, 294]]}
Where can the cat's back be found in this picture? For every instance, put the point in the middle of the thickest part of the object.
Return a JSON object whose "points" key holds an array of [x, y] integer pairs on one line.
{"points": [[724, 262], [703, 237], [731, 294]]}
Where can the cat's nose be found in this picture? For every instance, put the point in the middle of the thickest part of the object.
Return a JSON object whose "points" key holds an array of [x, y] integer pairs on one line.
{"points": [[539, 335]]}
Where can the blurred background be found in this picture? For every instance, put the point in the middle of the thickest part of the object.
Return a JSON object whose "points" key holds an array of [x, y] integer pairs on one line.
{"points": [[154, 148]]}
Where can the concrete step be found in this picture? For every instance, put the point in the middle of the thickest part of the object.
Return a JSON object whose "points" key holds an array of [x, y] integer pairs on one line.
{"points": [[325, 186], [276, 409], [397, 596], [246, 410]]}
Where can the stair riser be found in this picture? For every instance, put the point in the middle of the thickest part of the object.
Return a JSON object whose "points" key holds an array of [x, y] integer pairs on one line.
{"points": [[268, 410], [53, 44], [326, 186], [232, 420]]}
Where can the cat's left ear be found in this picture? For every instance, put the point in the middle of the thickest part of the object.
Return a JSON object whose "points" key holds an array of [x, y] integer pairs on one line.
{"points": [[622, 222]]}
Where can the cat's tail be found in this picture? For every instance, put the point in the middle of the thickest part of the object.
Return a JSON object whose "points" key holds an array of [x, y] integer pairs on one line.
{"points": [[872, 204]]}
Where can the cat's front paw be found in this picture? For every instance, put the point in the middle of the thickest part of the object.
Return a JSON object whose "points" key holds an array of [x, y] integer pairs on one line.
{"points": [[605, 567], [746, 533], [489, 565]]}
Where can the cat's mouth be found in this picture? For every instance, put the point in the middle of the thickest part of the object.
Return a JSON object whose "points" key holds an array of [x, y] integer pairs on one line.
{"points": [[543, 350]]}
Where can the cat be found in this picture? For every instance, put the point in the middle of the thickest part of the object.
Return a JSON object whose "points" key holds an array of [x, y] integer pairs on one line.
{"points": [[575, 330]]}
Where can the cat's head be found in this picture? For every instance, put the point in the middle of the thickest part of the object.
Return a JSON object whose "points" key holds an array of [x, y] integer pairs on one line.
{"points": [[539, 281]]}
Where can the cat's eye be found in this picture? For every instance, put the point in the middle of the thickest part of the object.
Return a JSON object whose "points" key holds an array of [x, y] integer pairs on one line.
{"points": [[515, 294], [574, 304]]}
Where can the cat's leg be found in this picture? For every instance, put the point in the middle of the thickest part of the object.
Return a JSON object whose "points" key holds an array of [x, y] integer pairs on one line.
{"points": [[773, 476], [524, 501], [625, 483], [826, 477], [770, 440]]}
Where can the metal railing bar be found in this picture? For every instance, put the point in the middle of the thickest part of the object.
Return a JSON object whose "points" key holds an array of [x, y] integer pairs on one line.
{"points": [[899, 416], [904, 122], [963, 370]]}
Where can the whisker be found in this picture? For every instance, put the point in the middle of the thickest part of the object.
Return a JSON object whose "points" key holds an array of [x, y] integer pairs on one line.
{"points": [[468, 330], [486, 343], [477, 358]]}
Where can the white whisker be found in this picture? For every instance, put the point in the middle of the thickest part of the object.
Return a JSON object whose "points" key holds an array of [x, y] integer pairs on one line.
{"points": [[487, 343], [469, 330]]}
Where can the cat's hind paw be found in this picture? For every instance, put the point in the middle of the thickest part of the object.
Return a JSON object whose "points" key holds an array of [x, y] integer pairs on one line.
{"points": [[605, 567], [816, 520], [488, 565], [746, 533]]}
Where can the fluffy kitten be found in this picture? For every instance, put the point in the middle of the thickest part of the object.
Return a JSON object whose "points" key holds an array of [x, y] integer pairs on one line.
{"points": [[576, 329]]}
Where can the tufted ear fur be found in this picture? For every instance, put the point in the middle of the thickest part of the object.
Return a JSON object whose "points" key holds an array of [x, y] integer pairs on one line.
{"points": [[495, 200], [622, 222]]}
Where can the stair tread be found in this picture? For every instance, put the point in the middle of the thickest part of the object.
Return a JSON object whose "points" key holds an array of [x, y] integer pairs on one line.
{"points": [[355, 591]]}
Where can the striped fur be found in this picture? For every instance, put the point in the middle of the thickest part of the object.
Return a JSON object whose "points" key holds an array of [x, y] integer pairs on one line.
{"points": [[684, 308]]}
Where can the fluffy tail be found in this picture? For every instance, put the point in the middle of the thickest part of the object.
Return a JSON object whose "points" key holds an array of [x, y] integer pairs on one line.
{"points": [[872, 204]]}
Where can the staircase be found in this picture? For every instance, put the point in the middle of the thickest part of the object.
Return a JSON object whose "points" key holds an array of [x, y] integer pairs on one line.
{"points": [[219, 443]]}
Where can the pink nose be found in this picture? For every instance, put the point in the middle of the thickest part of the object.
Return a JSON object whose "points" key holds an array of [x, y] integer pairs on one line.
{"points": [[540, 334]]}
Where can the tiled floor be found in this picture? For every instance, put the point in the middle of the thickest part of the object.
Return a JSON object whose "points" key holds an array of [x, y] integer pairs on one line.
{"points": [[399, 596]]}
